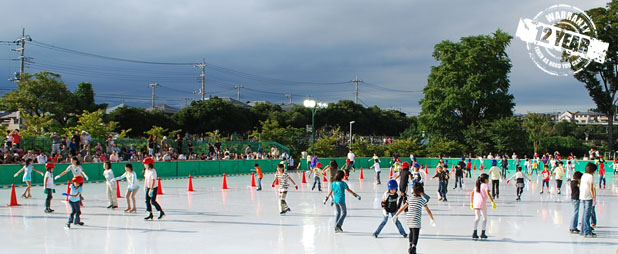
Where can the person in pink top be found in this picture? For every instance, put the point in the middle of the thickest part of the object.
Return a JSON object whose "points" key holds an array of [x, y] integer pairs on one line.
{"points": [[478, 203], [151, 188]]}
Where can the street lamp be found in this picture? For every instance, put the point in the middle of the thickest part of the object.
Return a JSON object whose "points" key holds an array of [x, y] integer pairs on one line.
{"points": [[313, 105], [351, 122]]}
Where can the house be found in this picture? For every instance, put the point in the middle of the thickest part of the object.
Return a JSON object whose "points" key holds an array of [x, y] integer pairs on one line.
{"points": [[582, 117], [114, 108], [11, 120], [166, 109]]}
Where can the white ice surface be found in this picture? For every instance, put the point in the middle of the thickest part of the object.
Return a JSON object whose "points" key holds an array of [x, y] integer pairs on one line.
{"points": [[242, 220]]}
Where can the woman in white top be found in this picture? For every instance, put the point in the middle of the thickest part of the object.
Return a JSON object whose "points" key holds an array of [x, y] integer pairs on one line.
{"points": [[132, 187], [75, 168], [151, 188]]}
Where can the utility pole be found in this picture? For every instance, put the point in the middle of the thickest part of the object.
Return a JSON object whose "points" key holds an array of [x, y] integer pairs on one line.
{"points": [[22, 58], [153, 86], [238, 92], [289, 95], [356, 81], [202, 66], [187, 100]]}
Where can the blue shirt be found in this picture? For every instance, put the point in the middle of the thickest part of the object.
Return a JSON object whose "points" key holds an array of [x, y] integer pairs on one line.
{"points": [[74, 191], [339, 188]]}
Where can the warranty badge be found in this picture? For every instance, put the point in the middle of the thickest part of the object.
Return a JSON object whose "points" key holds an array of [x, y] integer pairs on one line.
{"points": [[561, 40]]}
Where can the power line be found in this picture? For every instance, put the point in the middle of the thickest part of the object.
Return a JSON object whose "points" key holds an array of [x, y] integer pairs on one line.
{"points": [[391, 89]]}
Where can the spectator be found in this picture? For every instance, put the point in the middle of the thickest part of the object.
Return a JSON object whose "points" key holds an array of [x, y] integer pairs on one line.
{"points": [[179, 143], [189, 146], [41, 158], [9, 139], [55, 142], [114, 157], [16, 138]]}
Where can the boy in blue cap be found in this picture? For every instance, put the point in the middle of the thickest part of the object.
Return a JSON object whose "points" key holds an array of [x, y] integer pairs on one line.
{"points": [[390, 206]]}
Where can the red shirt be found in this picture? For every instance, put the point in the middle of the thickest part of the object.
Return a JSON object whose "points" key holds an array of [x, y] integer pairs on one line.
{"points": [[602, 169], [16, 137], [469, 165], [545, 174]]}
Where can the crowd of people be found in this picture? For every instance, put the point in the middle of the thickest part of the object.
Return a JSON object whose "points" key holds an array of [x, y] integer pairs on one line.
{"points": [[81, 145]]}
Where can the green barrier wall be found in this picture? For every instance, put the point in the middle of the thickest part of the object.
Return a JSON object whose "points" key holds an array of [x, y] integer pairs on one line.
{"points": [[366, 162], [94, 171]]}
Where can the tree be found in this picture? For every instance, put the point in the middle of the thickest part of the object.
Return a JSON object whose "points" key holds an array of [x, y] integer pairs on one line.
{"points": [[469, 85], [287, 136], [139, 120], [156, 132], [36, 126], [84, 98], [601, 80], [92, 122], [40, 94], [326, 145], [538, 127], [508, 135], [213, 114]]}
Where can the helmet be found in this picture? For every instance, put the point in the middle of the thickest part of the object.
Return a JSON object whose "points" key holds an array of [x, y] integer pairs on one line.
{"points": [[78, 179], [319, 165], [463, 158], [469, 160], [494, 162], [416, 165], [50, 165], [147, 160], [347, 160], [398, 160], [392, 185], [405, 165]]}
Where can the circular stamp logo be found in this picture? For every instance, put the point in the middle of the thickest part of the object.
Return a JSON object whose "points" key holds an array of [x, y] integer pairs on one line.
{"points": [[561, 40]]}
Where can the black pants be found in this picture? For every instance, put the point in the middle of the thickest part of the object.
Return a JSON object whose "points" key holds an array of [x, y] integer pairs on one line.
{"points": [[495, 188], [520, 190], [414, 232], [48, 199], [559, 184], [75, 212], [152, 201], [458, 179]]}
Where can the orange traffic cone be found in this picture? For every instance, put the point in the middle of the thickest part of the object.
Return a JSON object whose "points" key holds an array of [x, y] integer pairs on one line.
{"points": [[276, 180], [253, 179], [68, 190], [426, 170], [391, 174], [190, 187], [324, 179], [361, 174], [13, 196], [224, 187], [118, 190], [304, 179], [475, 166], [160, 190]]}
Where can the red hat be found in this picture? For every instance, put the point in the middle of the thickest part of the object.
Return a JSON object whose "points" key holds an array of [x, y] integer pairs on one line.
{"points": [[405, 165], [398, 160], [78, 179], [347, 160], [319, 165], [50, 164], [147, 160]]}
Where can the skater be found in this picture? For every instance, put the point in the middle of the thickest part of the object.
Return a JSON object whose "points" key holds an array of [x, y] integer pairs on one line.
{"points": [[495, 174], [316, 172], [151, 188], [588, 195], [443, 177], [469, 169], [27, 178], [546, 176], [418, 175], [132, 188], [569, 170], [415, 205], [74, 201], [558, 173], [505, 166], [615, 166], [535, 166], [601, 173], [347, 167], [528, 166], [75, 168], [376, 167], [459, 173], [337, 190], [577, 176], [48, 183], [283, 188], [478, 203], [110, 181], [404, 176], [390, 205], [260, 175], [519, 182]]}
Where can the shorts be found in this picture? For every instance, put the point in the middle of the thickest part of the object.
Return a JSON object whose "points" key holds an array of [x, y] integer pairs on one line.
{"points": [[27, 178], [133, 188]]}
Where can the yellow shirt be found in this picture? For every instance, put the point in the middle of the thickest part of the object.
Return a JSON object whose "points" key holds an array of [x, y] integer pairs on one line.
{"points": [[559, 172]]}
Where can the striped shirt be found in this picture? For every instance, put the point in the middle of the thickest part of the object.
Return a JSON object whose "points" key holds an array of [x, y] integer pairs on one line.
{"points": [[283, 181], [415, 209]]}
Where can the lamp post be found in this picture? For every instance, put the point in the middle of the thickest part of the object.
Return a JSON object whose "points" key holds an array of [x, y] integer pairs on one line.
{"points": [[351, 122], [313, 105]]}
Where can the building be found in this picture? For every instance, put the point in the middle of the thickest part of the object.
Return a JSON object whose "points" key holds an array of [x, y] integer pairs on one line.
{"points": [[11, 120], [583, 117], [166, 109]]}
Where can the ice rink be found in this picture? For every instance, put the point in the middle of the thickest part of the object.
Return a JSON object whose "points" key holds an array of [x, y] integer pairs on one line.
{"points": [[242, 220]]}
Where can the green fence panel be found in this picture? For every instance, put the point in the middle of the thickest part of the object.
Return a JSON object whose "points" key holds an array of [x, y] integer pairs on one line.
{"points": [[94, 171], [229, 167], [186, 168], [7, 172], [166, 169]]}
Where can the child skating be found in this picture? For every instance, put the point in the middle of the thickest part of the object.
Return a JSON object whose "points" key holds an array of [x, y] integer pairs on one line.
{"points": [[417, 201], [283, 178], [132, 187], [390, 205], [151, 188], [27, 178], [75, 168], [495, 174], [337, 190], [376, 167], [577, 176], [558, 173], [316, 172], [110, 183], [48, 183], [545, 175], [478, 203], [74, 201], [260, 175], [519, 182], [443, 177]]}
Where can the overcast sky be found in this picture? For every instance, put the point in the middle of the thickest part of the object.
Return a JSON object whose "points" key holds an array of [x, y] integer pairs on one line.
{"points": [[386, 43]]}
